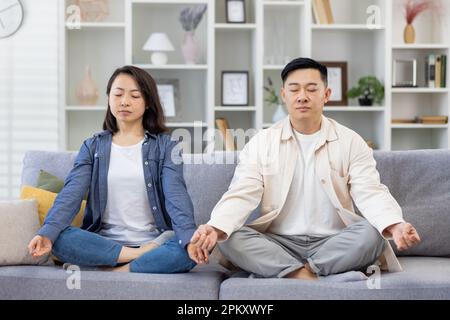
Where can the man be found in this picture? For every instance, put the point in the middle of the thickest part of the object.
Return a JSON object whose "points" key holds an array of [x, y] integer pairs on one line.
{"points": [[305, 171]]}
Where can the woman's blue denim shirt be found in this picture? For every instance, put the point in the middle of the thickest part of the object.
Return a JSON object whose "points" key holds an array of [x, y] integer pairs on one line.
{"points": [[170, 202]]}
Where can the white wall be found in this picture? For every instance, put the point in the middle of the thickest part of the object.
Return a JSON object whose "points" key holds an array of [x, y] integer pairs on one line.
{"points": [[28, 91]]}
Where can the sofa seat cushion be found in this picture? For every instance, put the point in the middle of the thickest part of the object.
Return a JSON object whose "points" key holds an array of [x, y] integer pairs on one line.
{"points": [[39, 282], [422, 278]]}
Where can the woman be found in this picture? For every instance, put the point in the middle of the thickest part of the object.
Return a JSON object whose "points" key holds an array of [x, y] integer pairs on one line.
{"points": [[137, 194]]}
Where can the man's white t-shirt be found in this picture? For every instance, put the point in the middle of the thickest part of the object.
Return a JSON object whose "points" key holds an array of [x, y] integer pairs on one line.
{"points": [[308, 210], [127, 218]]}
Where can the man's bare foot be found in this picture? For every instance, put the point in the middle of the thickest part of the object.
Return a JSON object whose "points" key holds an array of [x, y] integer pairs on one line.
{"points": [[304, 273]]}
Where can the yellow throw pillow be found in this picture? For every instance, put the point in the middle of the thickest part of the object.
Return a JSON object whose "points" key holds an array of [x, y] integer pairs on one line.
{"points": [[45, 201]]}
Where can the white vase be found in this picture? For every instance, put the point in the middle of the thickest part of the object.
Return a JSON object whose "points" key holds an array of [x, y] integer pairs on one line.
{"points": [[279, 114], [189, 48]]}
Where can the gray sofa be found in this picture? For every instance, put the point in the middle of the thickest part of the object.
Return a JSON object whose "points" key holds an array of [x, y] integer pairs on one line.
{"points": [[419, 180]]}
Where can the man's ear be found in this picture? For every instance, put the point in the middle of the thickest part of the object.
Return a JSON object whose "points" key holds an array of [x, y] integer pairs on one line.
{"points": [[327, 94], [283, 94]]}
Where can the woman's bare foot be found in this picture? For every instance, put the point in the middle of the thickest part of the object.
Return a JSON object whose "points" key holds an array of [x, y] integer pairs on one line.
{"points": [[124, 268], [128, 254]]}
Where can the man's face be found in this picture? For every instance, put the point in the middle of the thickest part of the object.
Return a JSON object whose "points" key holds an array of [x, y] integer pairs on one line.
{"points": [[305, 94]]}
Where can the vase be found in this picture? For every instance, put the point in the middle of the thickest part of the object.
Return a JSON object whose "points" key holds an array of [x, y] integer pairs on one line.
{"points": [[409, 34], [189, 48], [279, 114], [365, 102], [87, 92]]}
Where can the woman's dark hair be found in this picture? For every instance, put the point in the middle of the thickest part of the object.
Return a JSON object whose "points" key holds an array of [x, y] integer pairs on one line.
{"points": [[153, 119], [305, 63]]}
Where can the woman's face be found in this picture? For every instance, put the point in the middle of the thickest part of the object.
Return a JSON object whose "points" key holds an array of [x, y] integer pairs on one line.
{"points": [[126, 100]]}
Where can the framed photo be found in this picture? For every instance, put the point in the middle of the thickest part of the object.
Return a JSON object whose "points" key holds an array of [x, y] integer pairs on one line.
{"points": [[235, 88], [235, 11], [337, 82], [168, 91], [404, 73]]}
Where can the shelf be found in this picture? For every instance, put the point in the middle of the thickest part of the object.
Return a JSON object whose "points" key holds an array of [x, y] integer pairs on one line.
{"points": [[95, 25], [418, 126], [85, 108], [353, 108], [349, 27], [171, 1], [231, 108], [186, 124], [235, 26], [283, 3], [173, 66], [420, 46], [420, 90]]}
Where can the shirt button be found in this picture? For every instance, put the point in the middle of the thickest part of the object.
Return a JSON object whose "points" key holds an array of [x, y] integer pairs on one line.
{"points": [[149, 185], [179, 241], [154, 208], [323, 181], [146, 163], [145, 143], [162, 230]]}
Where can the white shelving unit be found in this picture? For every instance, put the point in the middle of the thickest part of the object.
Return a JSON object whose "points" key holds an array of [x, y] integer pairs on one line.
{"points": [[274, 33]]}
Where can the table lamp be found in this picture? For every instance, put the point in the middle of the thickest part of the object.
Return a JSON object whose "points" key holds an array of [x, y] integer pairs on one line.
{"points": [[159, 43]]}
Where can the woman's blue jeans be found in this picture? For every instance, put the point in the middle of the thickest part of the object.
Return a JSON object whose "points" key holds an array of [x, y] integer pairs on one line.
{"points": [[84, 248]]}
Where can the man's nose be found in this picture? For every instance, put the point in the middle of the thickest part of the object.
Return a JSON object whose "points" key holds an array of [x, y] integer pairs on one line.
{"points": [[302, 97]]}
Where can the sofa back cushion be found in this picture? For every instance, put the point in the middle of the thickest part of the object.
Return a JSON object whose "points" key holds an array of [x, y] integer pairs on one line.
{"points": [[419, 180]]}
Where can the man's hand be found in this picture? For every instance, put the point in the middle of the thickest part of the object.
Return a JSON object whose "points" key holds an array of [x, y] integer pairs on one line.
{"points": [[202, 242], [39, 246], [404, 234]]}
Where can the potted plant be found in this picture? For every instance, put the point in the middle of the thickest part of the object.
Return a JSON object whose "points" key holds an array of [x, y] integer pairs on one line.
{"points": [[273, 98], [368, 91]]}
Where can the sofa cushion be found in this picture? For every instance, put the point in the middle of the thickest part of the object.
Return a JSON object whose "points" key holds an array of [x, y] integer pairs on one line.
{"points": [[58, 164], [49, 182], [19, 223], [45, 201], [25, 282], [420, 182], [422, 278]]}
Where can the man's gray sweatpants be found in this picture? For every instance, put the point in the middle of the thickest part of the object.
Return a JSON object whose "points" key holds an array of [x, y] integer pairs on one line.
{"points": [[269, 255]]}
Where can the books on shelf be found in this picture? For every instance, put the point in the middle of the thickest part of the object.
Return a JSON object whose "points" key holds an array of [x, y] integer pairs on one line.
{"points": [[222, 125], [404, 121], [433, 119], [436, 71], [423, 120], [322, 12]]}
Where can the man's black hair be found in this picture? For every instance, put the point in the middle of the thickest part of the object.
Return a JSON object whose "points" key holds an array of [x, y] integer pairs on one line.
{"points": [[305, 63]]}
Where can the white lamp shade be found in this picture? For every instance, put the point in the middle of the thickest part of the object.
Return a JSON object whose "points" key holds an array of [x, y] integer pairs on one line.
{"points": [[158, 41]]}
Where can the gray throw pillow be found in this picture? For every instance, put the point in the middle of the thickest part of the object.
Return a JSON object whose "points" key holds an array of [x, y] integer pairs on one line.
{"points": [[19, 222]]}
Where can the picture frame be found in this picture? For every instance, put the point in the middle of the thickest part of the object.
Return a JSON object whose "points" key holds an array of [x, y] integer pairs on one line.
{"points": [[235, 11], [235, 88], [337, 82], [404, 73], [168, 91]]}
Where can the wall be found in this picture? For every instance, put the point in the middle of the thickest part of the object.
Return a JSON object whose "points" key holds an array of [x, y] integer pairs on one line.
{"points": [[28, 91]]}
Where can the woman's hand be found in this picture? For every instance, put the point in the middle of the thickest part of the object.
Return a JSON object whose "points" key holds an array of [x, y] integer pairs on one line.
{"points": [[39, 246]]}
